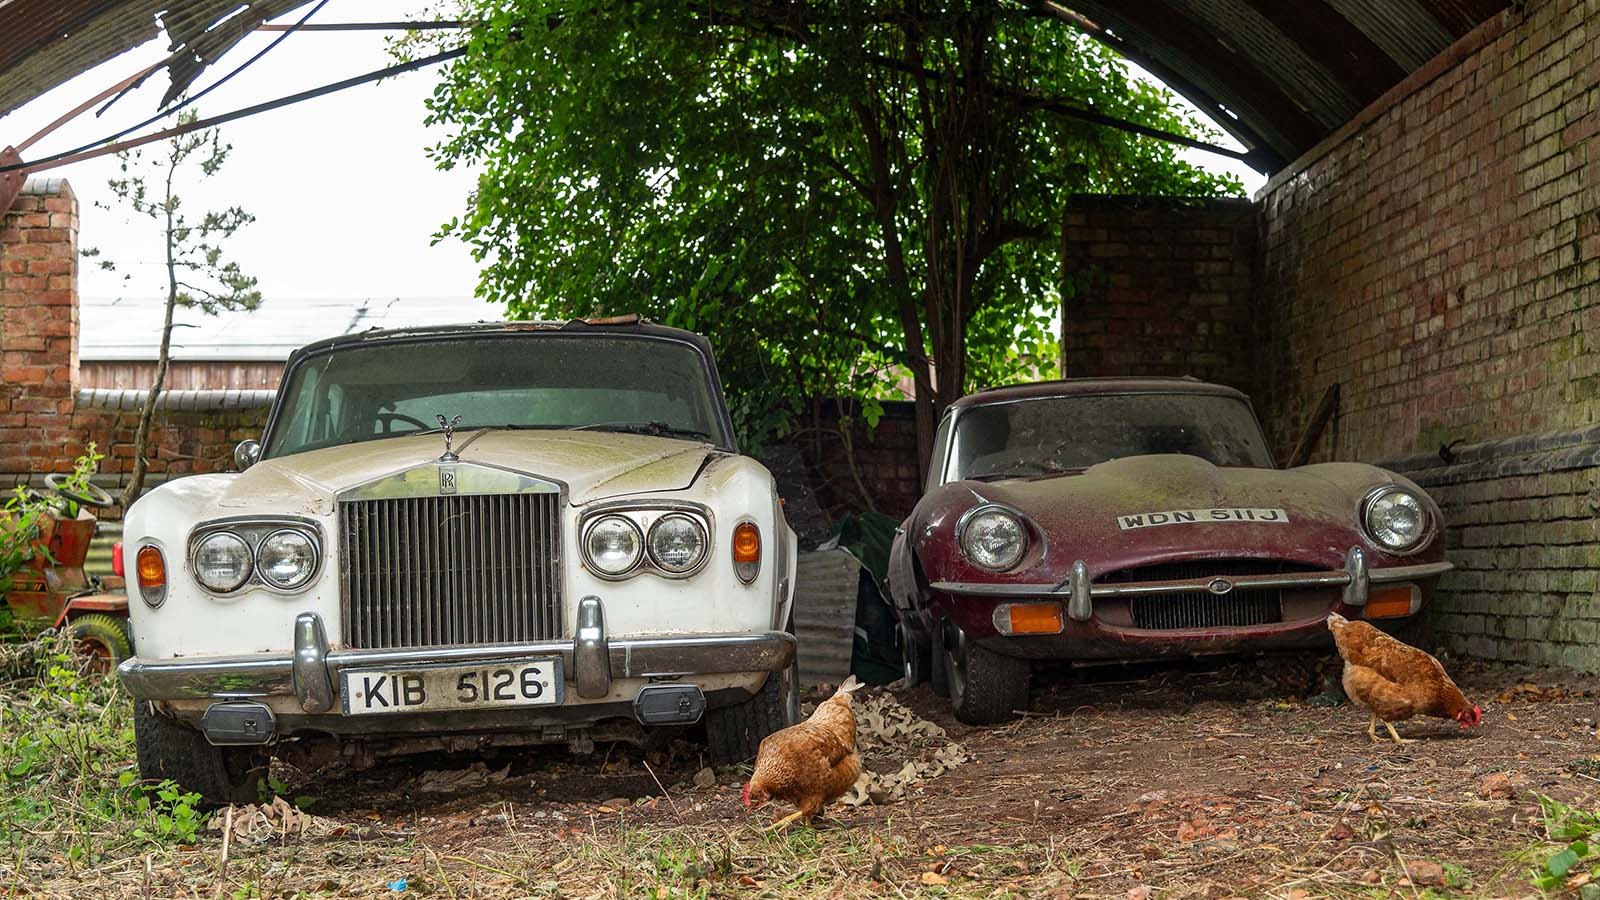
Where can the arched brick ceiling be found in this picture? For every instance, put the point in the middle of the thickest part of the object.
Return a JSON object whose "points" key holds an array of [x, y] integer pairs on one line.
{"points": [[46, 42], [1280, 75]]}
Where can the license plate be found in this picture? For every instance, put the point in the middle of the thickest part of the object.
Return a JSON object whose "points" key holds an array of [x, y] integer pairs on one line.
{"points": [[511, 682]]}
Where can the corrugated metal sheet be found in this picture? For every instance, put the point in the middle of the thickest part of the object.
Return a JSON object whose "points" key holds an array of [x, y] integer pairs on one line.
{"points": [[825, 614], [98, 562], [182, 400], [1280, 74], [46, 42]]}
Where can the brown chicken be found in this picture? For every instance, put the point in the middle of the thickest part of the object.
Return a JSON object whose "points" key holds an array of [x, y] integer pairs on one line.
{"points": [[1396, 681], [811, 763]]}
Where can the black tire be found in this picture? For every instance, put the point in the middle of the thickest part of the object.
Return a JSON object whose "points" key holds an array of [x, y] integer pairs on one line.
{"points": [[734, 733], [106, 640], [985, 687], [916, 654], [939, 662], [168, 751]]}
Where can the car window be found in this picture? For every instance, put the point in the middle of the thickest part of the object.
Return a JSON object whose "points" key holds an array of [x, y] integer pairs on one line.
{"points": [[540, 381], [1050, 435]]}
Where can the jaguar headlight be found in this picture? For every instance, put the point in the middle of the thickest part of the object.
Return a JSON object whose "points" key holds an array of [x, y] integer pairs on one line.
{"points": [[286, 560], [993, 538], [1395, 518], [677, 544], [613, 545], [222, 562]]}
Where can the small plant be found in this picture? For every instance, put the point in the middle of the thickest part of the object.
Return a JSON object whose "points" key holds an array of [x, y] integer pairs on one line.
{"points": [[1576, 831], [174, 816], [24, 511]]}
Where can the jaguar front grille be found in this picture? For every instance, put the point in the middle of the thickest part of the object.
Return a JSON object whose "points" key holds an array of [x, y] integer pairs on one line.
{"points": [[1201, 608], [460, 569]]}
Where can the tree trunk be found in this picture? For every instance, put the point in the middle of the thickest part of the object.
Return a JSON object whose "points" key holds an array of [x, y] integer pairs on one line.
{"points": [[141, 437]]}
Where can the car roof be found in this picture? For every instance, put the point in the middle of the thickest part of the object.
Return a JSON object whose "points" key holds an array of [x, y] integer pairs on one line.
{"points": [[627, 325], [1068, 387]]}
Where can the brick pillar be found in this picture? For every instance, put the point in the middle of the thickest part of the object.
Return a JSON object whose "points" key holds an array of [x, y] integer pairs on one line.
{"points": [[38, 326]]}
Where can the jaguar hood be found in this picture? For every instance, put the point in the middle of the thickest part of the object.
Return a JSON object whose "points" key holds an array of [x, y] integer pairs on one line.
{"points": [[592, 464], [1136, 510]]}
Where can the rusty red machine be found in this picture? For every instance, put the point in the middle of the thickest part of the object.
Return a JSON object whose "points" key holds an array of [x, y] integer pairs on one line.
{"points": [[54, 591]]}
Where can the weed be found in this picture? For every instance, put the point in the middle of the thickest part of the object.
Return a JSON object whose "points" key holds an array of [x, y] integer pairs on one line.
{"points": [[1570, 835]]}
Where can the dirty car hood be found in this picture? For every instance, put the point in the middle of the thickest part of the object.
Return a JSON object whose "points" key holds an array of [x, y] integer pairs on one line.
{"points": [[1103, 515], [592, 464]]}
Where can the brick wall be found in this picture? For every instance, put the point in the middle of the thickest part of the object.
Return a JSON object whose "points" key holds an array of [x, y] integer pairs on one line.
{"points": [[43, 426], [1159, 286], [1439, 259]]}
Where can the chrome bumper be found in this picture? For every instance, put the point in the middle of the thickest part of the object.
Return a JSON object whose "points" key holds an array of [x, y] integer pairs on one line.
{"points": [[591, 660], [1354, 580]]}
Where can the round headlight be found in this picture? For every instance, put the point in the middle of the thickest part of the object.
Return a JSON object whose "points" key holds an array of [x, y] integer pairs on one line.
{"points": [[286, 559], [677, 544], [994, 539], [222, 562], [1396, 519], [613, 545]]}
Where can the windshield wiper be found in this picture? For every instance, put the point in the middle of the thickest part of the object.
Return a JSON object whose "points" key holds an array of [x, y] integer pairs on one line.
{"points": [[1024, 467], [654, 429]]}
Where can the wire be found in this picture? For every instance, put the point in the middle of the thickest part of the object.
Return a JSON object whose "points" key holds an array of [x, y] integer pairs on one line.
{"points": [[162, 114], [94, 151]]}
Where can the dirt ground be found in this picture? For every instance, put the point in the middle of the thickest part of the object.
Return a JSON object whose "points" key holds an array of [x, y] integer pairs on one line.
{"points": [[1236, 778]]}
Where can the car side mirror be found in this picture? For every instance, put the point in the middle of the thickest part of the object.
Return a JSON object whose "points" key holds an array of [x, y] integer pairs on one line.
{"points": [[247, 454]]}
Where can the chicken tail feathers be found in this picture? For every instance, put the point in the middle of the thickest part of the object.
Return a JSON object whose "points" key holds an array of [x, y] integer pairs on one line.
{"points": [[850, 686]]}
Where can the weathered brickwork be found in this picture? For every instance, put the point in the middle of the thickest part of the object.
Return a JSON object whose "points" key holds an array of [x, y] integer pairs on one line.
{"points": [[42, 426], [1159, 286], [1439, 259]]}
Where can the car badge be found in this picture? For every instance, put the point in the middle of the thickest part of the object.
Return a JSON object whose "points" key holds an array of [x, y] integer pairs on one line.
{"points": [[447, 479], [1220, 586], [449, 429]]}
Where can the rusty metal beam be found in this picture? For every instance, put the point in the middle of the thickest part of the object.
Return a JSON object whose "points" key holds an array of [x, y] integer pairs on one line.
{"points": [[10, 181]]}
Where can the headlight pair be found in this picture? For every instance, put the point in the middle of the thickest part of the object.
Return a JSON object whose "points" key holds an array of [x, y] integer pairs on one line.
{"points": [[993, 537], [283, 556], [674, 542], [1395, 518]]}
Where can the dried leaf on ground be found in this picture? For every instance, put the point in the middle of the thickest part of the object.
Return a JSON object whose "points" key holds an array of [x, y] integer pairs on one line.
{"points": [[473, 776], [886, 730]]}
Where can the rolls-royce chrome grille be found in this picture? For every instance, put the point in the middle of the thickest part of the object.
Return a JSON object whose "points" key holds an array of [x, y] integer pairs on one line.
{"points": [[462, 569]]}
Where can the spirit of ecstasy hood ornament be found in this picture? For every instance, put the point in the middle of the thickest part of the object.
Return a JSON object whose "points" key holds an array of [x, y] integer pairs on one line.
{"points": [[449, 429]]}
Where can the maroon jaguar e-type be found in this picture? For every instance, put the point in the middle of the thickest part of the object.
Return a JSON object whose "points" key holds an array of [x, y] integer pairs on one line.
{"points": [[1103, 519]]}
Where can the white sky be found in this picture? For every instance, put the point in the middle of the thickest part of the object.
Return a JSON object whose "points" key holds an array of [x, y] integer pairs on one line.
{"points": [[344, 195]]}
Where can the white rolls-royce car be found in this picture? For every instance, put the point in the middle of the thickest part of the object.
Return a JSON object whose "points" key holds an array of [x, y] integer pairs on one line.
{"points": [[463, 537]]}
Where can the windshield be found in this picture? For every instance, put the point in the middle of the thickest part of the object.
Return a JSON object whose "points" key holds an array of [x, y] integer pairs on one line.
{"points": [[1053, 435], [546, 381]]}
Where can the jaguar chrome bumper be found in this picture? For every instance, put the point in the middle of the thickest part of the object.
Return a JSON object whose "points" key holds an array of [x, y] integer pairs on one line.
{"points": [[1354, 581], [591, 660]]}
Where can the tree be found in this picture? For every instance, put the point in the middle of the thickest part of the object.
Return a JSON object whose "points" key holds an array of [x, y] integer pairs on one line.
{"points": [[197, 275], [838, 192]]}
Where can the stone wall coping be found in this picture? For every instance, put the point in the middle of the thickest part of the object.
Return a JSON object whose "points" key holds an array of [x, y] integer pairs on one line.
{"points": [[1530, 454]]}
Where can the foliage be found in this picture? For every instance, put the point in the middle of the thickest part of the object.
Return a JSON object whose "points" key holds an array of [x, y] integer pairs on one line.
{"points": [[23, 510], [1574, 836], [836, 192], [198, 277], [66, 777]]}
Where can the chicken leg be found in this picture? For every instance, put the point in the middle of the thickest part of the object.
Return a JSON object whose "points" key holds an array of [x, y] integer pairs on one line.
{"points": [[1372, 732], [783, 823], [1396, 735]]}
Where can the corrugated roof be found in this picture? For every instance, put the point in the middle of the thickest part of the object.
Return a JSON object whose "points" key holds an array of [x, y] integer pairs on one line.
{"points": [[130, 329], [1280, 75], [46, 42]]}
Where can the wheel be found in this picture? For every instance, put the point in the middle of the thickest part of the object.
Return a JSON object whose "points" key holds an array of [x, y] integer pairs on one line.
{"points": [[167, 751], [101, 641], [985, 687], [938, 667], [916, 654], [734, 733]]}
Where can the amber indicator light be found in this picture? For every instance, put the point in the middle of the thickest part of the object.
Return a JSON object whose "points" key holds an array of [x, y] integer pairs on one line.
{"points": [[1036, 618], [1388, 602], [152, 567], [746, 543]]}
